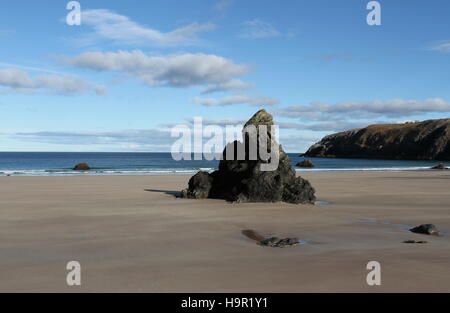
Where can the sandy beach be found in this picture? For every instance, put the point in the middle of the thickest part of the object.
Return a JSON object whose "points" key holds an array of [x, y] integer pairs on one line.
{"points": [[131, 234]]}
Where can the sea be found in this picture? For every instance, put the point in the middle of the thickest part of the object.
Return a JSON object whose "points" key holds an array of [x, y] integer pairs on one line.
{"points": [[102, 163]]}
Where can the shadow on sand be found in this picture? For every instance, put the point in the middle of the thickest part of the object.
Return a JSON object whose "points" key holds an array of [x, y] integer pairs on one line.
{"points": [[174, 193], [253, 235]]}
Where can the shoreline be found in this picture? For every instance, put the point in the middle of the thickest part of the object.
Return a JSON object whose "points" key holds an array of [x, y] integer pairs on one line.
{"points": [[70, 173], [147, 163]]}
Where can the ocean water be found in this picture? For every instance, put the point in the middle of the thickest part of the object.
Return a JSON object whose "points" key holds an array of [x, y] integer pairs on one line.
{"points": [[61, 164]]}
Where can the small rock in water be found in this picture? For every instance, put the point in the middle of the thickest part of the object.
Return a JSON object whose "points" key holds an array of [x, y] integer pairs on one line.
{"points": [[306, 164], [440, 167], [82, 167], [425, 229], [414, 241]]}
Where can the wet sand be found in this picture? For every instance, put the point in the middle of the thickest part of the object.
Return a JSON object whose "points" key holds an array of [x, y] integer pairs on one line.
{"points": [[131, 234]]}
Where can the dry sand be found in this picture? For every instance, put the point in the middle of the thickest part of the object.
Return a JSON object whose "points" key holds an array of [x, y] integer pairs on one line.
{"points": [[131, 234]]}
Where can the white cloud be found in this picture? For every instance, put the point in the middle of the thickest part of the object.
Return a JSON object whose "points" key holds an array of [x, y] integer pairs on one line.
{"points": [[319, 127], [442, 46], [220, 121], [366, 109], [328, 126], [222, 5], [234, 84], [14, 78], [121, 29], [257, 29], [237, 99], [182, 70], [18, 81]]}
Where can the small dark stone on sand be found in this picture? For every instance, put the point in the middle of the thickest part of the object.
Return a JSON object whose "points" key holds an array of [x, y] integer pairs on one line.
{"points": [[425, 229], [276, 242], [414, 241], [273, 242]]}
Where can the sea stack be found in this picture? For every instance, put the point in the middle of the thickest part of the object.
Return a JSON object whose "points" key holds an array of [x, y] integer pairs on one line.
{"points": [[243, 180]]}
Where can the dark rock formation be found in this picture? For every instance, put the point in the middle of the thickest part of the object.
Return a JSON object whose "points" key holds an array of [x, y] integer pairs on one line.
{"points": [[199, 186], [426, 229], [273, 242], [82, 167], [429, 140], [439, 167], [415, 241], [276, 242], [241, 179], [306, 164]]}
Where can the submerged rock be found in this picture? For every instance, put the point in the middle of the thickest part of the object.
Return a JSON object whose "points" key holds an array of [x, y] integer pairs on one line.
{"points": [[247, 177], [82, 167], [440, 167], [425, 229], [306, 164]]}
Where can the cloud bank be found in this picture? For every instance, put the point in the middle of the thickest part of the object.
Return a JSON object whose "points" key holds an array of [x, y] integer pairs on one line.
{"points": [[139, 137], [366, 109], [234, 84]]}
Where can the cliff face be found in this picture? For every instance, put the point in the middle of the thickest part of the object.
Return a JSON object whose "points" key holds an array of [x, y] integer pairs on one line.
{"points": [[429, 140]]}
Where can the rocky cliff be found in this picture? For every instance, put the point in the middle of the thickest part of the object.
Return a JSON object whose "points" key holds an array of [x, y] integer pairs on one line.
{"points": [[428, 140]]}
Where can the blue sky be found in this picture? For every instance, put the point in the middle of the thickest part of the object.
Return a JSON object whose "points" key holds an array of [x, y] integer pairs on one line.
{"points": [[133, 69]]}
